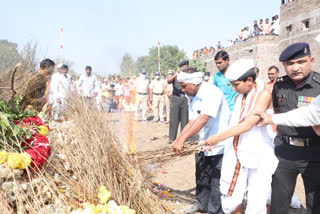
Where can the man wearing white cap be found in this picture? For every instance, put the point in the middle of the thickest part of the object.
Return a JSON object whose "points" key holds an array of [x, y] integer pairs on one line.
{"points": [[208, 114], [249, 160], [156, 90]]}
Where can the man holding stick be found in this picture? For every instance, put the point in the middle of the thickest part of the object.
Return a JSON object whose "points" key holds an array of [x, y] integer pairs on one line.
{"points": [[208, 113]]}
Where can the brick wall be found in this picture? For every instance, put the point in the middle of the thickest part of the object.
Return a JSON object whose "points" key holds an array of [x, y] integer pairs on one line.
{"points": [[294, 15]]}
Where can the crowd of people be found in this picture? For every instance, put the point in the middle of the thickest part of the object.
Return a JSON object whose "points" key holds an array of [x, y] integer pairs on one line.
{"points": [[264, 27], [113, 94], [203, 52]]}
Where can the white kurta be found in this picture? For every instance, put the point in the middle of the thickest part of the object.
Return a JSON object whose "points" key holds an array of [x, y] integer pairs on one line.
{"points": [[258, 162], [53, 87], [61, 91], [86, 85]]}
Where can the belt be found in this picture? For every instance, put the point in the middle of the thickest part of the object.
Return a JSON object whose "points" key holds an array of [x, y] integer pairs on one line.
{"points": [[297, 141], [158, 94], [179, 95], [142, 93]]}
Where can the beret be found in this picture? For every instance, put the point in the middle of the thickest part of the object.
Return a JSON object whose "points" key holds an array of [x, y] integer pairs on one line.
{"points": [[238, 68], [207, 73], [184, 62], [295, 51]]}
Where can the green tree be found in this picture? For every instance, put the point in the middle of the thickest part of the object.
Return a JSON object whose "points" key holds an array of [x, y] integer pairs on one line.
{"points": [[170, 56], [9, 54], [197, 64], [128, 67]]}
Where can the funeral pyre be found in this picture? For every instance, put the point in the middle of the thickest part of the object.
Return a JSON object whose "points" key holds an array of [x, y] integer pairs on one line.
{"points": [[75, 166]]}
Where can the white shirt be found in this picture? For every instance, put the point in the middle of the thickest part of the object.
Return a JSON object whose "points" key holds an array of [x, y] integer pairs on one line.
{"points": [[210, 101], [308, 115], [87, 85], [276, 27], [53, 87], [118, 89], [63, 86]]}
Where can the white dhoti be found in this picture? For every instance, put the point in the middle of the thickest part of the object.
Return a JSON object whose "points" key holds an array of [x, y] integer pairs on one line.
{"points": [[258, 186]]}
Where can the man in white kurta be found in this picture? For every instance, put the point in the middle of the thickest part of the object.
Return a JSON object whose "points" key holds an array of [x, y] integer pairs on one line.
{"points": [[249, 160], [87, 84], [62, 91], [53, 87]]}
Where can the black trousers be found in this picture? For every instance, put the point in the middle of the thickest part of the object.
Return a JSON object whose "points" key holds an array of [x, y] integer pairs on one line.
{"points": [[208, 171], [178, 114], [294, 160]]}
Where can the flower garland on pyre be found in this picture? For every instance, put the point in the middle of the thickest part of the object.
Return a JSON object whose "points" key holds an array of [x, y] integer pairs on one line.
{"points": [[38, 145], [23, 142], [36, 148]]}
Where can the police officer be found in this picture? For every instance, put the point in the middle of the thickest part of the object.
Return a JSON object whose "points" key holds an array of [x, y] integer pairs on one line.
{"points": [[297, 148], [142, 87], [179, 105], [156, 97]]}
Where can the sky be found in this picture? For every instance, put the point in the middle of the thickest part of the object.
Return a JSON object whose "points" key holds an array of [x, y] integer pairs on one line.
{"points": [[100, 32]]}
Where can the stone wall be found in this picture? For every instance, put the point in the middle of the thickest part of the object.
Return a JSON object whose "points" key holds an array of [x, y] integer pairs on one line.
{"points": [[263, 49], [294, 17]]}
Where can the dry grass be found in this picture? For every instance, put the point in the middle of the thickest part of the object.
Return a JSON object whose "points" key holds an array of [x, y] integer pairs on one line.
{"points": [[28, 62], [162, 156], [96, 157], [86, 155]]}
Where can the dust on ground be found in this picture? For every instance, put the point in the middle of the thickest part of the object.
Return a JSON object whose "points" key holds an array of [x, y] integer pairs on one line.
{"points": [[178, 174]]}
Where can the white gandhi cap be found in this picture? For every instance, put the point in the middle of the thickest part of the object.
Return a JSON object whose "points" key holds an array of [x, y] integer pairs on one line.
{"points": [[238, 68], [59, 65]]}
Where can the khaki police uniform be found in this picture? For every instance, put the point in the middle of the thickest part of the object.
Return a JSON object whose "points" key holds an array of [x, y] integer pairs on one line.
{"points": [[157, 88], [167, 99], [142, 87]]}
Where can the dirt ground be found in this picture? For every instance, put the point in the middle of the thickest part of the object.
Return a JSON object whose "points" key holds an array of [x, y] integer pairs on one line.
{"points": [[177, 174]]}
